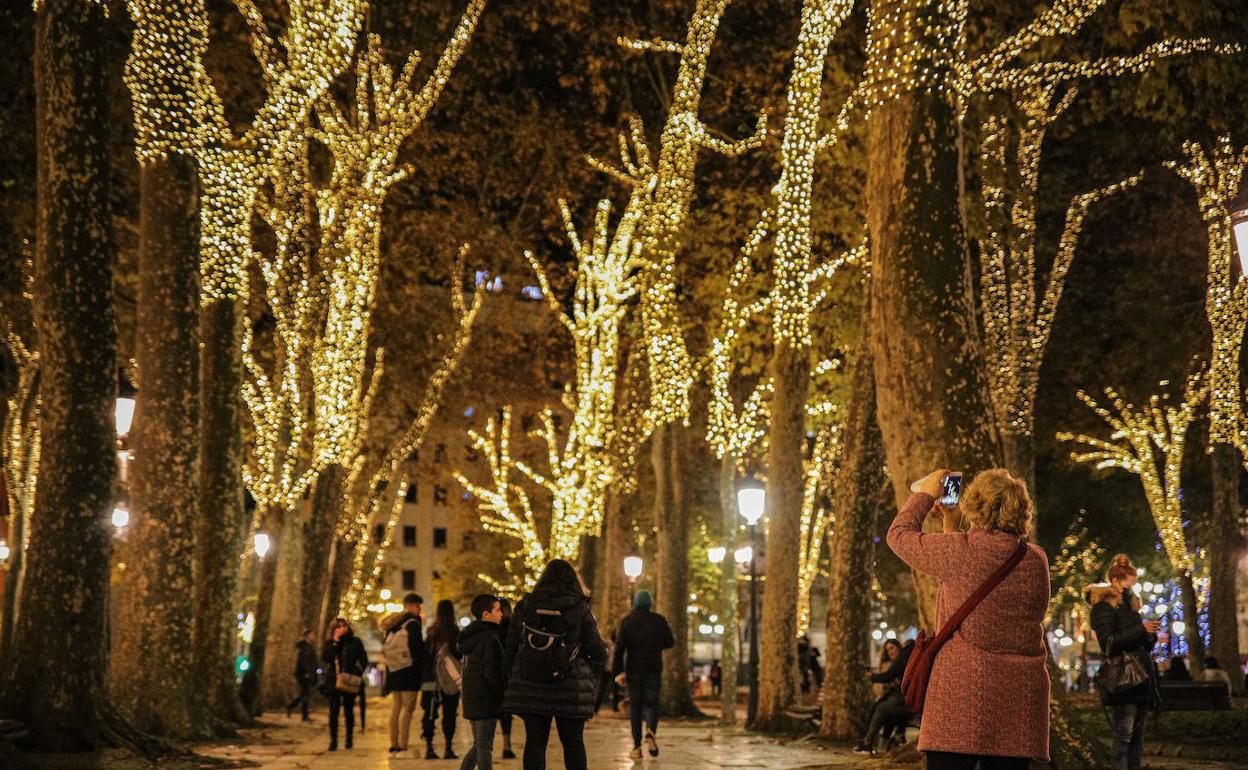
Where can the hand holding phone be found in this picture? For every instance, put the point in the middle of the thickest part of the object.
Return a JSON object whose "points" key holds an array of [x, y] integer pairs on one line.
{"points": [[951, 488]]}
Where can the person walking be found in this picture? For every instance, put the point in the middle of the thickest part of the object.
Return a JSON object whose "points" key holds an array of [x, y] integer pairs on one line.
{"points": [[1120, 630], [553, 652], [987, 699], [638, 664], [306, 673], [716, 678], [344, 662], [440, 688], [484, 679], [404, 653]]}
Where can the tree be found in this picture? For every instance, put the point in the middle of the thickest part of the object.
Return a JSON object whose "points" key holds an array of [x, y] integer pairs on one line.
{"points": [[1149, 442], [62, 627], [1216, 174], [148, 669]]}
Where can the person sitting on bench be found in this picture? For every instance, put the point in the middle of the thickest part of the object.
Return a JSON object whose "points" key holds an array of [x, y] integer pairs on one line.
{"points": [[891, 707]]}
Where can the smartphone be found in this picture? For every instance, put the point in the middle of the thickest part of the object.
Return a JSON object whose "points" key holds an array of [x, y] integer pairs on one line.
{"points": [[951, 489]]}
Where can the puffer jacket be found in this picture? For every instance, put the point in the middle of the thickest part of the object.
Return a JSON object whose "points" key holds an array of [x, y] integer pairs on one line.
{"points": [[1119, 629], [346, 655], [573, 696], [639, 645], [484, 675]]}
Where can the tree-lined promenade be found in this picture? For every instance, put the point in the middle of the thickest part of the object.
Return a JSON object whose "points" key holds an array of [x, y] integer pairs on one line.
{"points": [[686, 295]]}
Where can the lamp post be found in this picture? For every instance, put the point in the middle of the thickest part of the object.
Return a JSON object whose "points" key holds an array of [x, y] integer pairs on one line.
{"points": [[633, 566], [751, 500]]}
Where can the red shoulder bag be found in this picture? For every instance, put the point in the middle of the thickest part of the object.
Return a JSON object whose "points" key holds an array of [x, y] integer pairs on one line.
{"points": [[923, 657]]}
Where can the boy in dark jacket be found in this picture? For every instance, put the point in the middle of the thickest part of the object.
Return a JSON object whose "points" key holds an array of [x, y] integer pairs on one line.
{"points": [[638, 662], [484, 679]]}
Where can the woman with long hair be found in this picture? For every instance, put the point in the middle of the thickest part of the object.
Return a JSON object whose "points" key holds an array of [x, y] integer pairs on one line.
{"points": [[988, 693], [344, 662], [1120, 630], [440, 688], [554, 654], [888, 653]]}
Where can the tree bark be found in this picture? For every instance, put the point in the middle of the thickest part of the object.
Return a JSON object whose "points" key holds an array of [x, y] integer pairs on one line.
{"points": [[617, 533], [1191, 630], [282, 623], [777, 676], [342, 559], [728, 588], [266, 581], [667, 453], [55, 670], [1019, 455], [221, 523], [861, 491], [318, 534], [151, 659], [1226, 545], [933, 404]]}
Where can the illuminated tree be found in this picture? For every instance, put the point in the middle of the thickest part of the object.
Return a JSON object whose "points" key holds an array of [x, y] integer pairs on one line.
{"points": [[1216, 173], [1149, 442], [818, 517]]}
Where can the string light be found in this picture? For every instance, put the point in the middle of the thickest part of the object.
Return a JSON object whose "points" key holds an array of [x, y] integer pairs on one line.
{"points": [[1149, 442], [21, 439], [1077, 562], [817, 516], [1216, 174]]}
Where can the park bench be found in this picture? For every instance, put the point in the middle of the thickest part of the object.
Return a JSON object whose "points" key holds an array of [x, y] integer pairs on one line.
{"points": [[1194, 696]]}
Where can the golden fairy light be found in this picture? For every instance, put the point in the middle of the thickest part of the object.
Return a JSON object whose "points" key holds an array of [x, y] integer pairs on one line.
{"points": [[20, 451], [1149, 442], [1216, 173], [817, 516], [1017, 323], [1077, 562]]}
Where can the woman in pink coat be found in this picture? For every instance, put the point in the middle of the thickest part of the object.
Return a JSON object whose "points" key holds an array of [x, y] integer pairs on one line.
{"points": [[988, 695]]}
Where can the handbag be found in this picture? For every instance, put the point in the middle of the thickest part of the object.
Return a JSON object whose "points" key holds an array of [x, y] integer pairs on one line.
{"points": [[923, 657], [1119, 676], [347, 683]]}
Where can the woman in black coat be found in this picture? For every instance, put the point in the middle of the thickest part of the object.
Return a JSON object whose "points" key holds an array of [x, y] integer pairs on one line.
{"points": [[1120, 630], [343, 653], [554, 655]]}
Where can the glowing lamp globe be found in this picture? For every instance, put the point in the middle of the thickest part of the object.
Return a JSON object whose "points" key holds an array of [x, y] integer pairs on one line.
{"points": [[743, 554], [633, 566], [4, 550], [262, 544], [716, 554], [121, 517], [750, 501], [124, 415], [385, 594]]}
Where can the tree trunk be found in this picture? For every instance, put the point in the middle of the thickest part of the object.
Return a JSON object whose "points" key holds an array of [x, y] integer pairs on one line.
{"points": [[933, 408], [283, 624], [318, 541], [728, 588], [777, 676], [861, 491], [266, 581], [667, 453], [55, 671], [1191, 630], [1226, 544], [221, 523], [12, 577], [151, 660], [617, 534], [342, 560]]}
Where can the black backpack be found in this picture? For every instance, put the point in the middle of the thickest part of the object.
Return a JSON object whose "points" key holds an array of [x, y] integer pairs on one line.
{"points": [[545, 655]]}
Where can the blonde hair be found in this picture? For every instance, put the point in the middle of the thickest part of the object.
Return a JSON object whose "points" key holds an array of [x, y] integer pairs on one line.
{"points": [[1120, 568], [998, 502]]}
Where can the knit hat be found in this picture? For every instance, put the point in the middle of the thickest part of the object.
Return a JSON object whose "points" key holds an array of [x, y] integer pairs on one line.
{"points": [[642, 601]]}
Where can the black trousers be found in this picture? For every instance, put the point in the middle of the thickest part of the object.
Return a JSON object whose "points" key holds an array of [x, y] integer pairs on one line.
{"points": [[643, 702], [537, 736], [301, 700], [346, 702], [430, 703], [947, 760], [888, 711]]}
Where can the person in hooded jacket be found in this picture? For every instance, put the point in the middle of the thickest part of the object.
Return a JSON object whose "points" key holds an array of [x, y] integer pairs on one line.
{"points": [[1120, 630], [553, 653], [343, 653], [306, 672], [638, 664], [403, 683], [484, 679]]}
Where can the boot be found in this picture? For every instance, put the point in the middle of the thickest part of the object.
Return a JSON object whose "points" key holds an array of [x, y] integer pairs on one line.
{"points": [[450, 753], [348, 740], [429, 752], [333, 743]]}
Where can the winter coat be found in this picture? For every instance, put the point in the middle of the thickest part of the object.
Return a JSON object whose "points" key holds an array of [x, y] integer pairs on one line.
{"points": [[481, 648], [1119, 628], [989, 686], [305, 662], [574, 696], [640, 642], [346, 655], [432, 647], [406, 679], [891, 677]]}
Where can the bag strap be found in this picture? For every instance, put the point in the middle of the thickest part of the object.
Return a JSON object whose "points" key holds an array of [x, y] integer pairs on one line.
{"points": [[974, 599]]}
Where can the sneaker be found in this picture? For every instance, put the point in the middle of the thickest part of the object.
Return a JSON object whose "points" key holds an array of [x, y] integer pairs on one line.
{"points": [[509, 754], [635, 753], [861, 749], [394, 749], [652, 744]]}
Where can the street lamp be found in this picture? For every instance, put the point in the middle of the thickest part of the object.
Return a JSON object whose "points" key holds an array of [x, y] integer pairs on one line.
{"points": [[1239, 226], [716, 554], [123, 414], [262, 543], [121, 517], [751, 501], [4, 550], [632, 568], [743, 555]]}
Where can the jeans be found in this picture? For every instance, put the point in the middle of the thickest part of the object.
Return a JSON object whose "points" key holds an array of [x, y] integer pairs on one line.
{"points": [[1128, 722], [537, 735], [345, 701], [482, 752], [888, 710], [430, 702], [301, 700], [643, 702], [947, 760], [402, 705]]}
